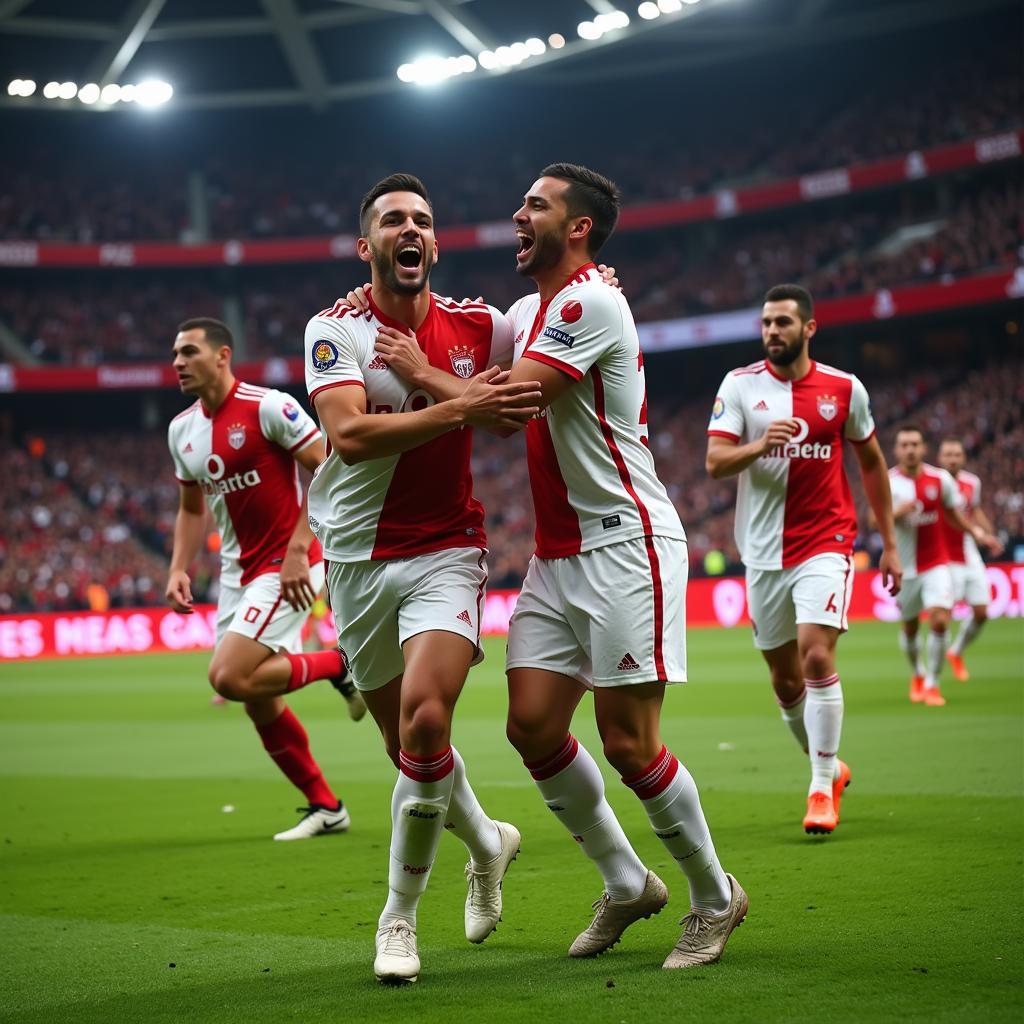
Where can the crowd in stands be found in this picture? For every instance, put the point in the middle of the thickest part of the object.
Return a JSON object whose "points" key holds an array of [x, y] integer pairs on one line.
{"points": [[88, 516]]}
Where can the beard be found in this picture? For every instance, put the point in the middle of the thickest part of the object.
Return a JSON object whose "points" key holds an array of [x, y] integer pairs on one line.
{"points": [[789, 355], [385, 267], [548, 250]]}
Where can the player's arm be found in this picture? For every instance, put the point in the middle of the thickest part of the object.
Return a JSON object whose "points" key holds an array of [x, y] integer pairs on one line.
{"points": [[982, 536], [486, 401], [189, 532], [296, 583], [875, 475], [727, 457]]}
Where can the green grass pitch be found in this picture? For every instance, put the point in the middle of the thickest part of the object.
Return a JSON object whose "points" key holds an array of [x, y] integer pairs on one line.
{"points": [[128, 894]]}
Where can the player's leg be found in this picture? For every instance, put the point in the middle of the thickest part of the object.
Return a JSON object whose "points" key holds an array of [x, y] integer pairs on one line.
{"points": [[789, 688], [909, 603], [937, 596], [975, 591]]}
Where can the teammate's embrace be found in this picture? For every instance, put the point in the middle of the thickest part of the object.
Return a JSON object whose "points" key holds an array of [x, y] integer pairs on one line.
{"points": [[236, 448], [780, 424]]}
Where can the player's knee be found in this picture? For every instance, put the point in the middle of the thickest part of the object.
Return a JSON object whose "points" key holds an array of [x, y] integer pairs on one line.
{"points": [[817, 661], [428, 728], [530, 735], [227, 682], [626, 752], [980, 616]]}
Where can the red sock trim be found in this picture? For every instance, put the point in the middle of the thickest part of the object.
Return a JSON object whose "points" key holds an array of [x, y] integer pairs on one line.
{"points": [[548, 767], [287, 743], [820, 684], [792, 703], [426, 769], [308, 668], [655, 778]]}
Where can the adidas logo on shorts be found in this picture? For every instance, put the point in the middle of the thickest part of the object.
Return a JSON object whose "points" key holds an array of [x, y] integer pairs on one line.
{"points": [[463, 616], [628, 663]]}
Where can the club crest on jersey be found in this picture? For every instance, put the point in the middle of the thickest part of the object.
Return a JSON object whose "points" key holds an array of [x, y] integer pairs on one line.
{"points": [[931, 492], [463, 362], [718, 409], [236, 435], [324, 354], [828, 406], [290, 412]]}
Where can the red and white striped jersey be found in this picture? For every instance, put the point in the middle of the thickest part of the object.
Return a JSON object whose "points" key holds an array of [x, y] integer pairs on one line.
{"points": [[243, 459], [591, 471], [963, 550], [794, 502], [920, 538], [420, 500]]}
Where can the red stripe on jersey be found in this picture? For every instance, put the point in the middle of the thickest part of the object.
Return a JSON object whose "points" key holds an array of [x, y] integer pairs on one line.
{"points": [[541, 357], [723, 433], [309, 437], [191, 409], [187, 483], [333, 384], [645, 519], [863, 440]]}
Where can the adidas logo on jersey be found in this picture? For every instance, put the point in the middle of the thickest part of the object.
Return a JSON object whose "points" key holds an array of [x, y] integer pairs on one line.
{"points": [[463, 616], [377, 363], [761, 406], [628, 663], [187, 449]]}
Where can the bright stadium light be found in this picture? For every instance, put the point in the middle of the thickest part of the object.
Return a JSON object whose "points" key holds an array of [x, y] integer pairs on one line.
{"points": [[51, 90], [670, 6], [68, 91], [488, 60], [127, 93], [611, 21], [14, 87], [110, 94], [649, 11], [89, 93], [27, 87], [588, 30], [691, 1], [534, 46], [153, 92], [556, 40]]}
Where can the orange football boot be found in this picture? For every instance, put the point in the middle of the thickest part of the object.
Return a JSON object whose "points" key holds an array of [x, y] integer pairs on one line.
{"points": [[956, 663], [933, 698], [839, 783], [820, 819], [916, 689]]}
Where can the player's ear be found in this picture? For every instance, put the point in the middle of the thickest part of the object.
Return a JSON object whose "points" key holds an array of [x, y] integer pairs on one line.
{"points": [[363, 249], [581, 228], [811, 328], [435, 251]]}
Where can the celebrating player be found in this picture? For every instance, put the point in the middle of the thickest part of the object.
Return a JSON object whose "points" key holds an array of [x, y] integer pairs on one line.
{"points": [[922, 495], [394, 509], [970, 582], [780, 424], [236, 448]]}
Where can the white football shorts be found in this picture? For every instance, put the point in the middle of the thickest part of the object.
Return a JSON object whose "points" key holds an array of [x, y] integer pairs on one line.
{"points": [[970, 584], [259, 612], [930, 589], [380, 604], [614, 616], [817, 591]]}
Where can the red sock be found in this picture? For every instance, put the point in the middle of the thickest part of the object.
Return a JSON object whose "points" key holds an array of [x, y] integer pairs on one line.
{"points": [[308, 668], [286, 741]]}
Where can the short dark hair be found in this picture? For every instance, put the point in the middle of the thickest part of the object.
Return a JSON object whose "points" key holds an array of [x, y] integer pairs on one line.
{"points": [[910, 428], [217, 332], [591, 195], [398, 182], [950, 439], [798, 293]]}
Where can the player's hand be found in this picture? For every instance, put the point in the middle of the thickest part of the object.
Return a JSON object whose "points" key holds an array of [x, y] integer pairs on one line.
{"points": [[490, 402], [179, 592], [990, 542], [608, 275], [359, 298], [904, 509], [296, 585], [401, 352], [777, 434], [892, 571]]}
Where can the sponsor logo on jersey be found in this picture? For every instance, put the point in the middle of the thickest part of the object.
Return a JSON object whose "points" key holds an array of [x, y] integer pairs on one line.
{"points": [[718, 409], [571, 312], [324, 355], [628, 663], [828, 406], [560, 336], [290, 412], [761, 406], [314, 524], [377, 363], [216, 483], [799, 448], [236, 435], [607, 522], [463, 362]]}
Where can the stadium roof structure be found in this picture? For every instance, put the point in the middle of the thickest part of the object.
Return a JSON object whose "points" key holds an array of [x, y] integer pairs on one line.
{"points": [[230, 54]]}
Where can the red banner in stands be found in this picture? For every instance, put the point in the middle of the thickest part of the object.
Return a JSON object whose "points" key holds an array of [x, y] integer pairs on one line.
{"points": [[720, 204], [710, 602]]}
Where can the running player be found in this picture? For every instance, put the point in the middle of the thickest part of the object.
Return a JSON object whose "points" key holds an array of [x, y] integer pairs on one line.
{"points": [[780, 424], [394, 509], [970, 581], [922, 495], [237, 447]]}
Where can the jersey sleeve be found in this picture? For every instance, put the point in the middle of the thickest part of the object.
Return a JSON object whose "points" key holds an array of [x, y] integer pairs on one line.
{"points": [[502, 345], [578, 330], [950, 492], [332, 354], [975, 501], [727, 412], [286, 423], [860, 425], [181, 473]]}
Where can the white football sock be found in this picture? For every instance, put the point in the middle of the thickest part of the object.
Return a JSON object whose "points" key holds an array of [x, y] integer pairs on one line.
{"points": [[823, 719], [909, 646], [573, 788], [936, 653], [969, 629], [419, 804], [466, 818], [793, 716], [670, 797]]}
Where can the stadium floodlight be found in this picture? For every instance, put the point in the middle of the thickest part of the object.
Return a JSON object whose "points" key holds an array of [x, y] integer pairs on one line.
{"points": [[67, 91], [127, 93], [488, 60], [611, 21], [670, 6], [588, 30], [649, 10], [406, 73], [14, 87], [534, 46], [51, 90], [27, 87], [110, 94], [691, 1], [89, 93], [556, 40], [153, 92]]}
